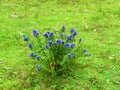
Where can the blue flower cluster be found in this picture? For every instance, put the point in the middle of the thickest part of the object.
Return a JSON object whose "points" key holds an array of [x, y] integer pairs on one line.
{"points": [[68, 45], [73, 32], [72, 35], [51, 43], [60, 42], [34, 33], [33, 54], [48, 34], [59, 46], [25, 38]]}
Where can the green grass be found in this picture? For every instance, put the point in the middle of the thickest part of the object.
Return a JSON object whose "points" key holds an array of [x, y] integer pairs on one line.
{"points": [[98, 23]]}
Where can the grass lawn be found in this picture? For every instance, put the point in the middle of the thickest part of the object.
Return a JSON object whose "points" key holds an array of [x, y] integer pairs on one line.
{"points": [[98, 23]]}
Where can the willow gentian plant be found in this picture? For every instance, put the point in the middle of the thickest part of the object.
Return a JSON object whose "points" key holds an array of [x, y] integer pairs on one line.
{"points": [[54, 51]]}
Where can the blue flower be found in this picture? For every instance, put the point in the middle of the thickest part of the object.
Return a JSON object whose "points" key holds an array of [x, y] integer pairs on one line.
{"points": [[30, 45], [72, 45], [58, 41], [61, 35], [51, 34], [71, 36], [63, 27], [72, 30], [84, 50], [31, 54], [50, 41], [47, 46], [67, 45], [75, 33], [45, 34], [37, 57], [48, 32], [68, 37], [35, 32], [69, 55], [62, 41], [80, 39], [25, 38], [37, 67]]}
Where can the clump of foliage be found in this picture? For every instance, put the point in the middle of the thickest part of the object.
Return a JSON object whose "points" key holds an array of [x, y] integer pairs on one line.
{"points": [[55, 52]]}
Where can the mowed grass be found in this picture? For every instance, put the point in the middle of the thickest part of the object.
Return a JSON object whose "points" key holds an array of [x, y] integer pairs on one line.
{"points": [[98, 23]]}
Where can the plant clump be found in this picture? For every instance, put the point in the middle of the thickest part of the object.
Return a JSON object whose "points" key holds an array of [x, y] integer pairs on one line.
{"points": [[55, 52]]}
